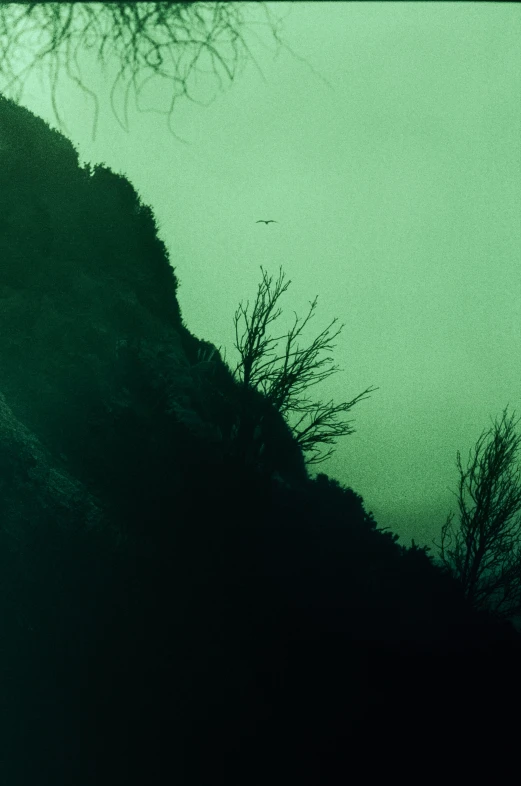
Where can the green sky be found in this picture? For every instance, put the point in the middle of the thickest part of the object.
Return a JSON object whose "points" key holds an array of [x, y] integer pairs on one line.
{"points": [[396, 182]]}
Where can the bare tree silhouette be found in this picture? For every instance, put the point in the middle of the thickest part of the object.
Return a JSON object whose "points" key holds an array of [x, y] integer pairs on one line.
{"points": [[300, 369], [484, 553], [169, 40]]}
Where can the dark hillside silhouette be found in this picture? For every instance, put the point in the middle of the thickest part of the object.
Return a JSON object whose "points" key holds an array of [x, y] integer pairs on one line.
{"points": [[181, 604]]}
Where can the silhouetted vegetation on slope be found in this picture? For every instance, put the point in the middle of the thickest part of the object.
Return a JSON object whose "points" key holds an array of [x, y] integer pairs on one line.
{"points": [[181, 602]]}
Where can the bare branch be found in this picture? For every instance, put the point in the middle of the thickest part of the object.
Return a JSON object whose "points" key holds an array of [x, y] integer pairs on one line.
{"points": [[283, 378], [172, 41], [325, 427], [486, 556]]}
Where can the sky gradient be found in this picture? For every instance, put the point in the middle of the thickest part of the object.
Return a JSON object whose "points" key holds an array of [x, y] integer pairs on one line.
{"points": [[390, 155]]}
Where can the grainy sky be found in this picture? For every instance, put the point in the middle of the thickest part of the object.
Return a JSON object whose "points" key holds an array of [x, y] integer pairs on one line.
{"points": [[390, 155]]}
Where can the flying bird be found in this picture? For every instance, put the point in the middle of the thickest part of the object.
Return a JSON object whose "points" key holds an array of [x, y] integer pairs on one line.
{"points": [[270, 221]]}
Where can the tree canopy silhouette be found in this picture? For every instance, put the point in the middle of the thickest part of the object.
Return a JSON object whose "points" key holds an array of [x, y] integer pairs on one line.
{"points": [[484, 552], [300, 369]]}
